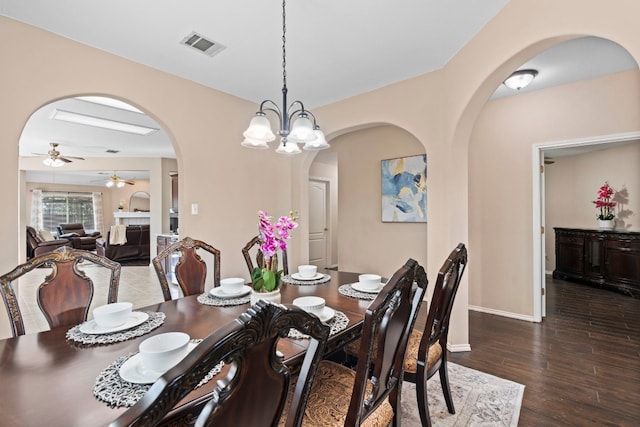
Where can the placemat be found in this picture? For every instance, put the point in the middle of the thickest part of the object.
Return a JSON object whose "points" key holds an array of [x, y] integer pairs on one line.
{"points": [[155, 320], [209, 299], [291, 281], [116, 392], [348, 291], [337, 324]]}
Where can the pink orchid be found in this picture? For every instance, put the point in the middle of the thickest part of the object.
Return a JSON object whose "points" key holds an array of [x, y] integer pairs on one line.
{"points": [[604, 202]]}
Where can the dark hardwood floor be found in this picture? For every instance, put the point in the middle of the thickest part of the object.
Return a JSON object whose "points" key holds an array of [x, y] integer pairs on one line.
{"points": [[580, 366]]}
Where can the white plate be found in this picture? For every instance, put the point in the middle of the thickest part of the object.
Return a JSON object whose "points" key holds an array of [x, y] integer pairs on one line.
{"points": [[358, 287], [327, 314], [135, 318], [132, 370], [218, 292], [297, 276]]}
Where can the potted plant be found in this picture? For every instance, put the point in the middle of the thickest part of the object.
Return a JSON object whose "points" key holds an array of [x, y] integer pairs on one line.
{"points": [[605, 207], [266, 279]]}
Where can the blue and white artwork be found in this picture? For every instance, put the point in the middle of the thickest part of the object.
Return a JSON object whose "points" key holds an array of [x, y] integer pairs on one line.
{"points": [[404, 189]]}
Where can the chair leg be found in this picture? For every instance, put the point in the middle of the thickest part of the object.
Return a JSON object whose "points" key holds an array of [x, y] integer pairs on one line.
{"points": [[421, 394], [444, 381]]}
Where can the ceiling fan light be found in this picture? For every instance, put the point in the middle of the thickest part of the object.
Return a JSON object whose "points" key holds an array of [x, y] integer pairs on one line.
{"points": [[120, 184], [290, 148], [109, 183], [259, 129], [302, 130], [320, 143], [56, 163], [520, 79]]}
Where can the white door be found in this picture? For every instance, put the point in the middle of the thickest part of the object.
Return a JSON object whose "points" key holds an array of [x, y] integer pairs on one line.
{"points": [[318, 223]]}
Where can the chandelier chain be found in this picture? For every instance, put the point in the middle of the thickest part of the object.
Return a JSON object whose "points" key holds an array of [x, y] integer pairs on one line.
{"points": [[284, 42]]}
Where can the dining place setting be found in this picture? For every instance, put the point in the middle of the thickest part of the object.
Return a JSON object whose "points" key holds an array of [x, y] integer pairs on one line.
{"points": [[115, 322], [306, 275], [232, 291], [366, 288]]}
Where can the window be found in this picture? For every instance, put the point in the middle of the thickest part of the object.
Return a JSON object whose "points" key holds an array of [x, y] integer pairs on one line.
{"points": [[63, 208]]}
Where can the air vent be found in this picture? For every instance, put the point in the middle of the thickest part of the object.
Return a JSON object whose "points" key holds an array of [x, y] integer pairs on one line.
{"points": [[202, 44], [113, 151]]}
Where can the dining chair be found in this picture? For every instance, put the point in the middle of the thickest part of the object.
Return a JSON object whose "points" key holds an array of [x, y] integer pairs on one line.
{"points": [[426, 350], [370, 395], [256, 387], [190, 271], [66, 293], [252, 245]]}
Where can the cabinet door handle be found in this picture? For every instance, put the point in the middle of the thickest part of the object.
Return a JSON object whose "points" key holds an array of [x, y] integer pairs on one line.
{"points": [[624, 249]]}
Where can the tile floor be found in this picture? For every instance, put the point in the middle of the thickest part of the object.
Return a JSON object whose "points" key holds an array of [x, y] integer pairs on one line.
{"points": [[137, 284]]}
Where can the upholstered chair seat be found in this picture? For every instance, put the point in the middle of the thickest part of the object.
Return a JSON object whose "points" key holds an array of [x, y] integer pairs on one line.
{"points": [[411, 357], [328, 402]]}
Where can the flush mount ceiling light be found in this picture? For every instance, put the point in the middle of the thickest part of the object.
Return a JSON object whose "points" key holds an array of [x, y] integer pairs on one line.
{"points": [[83, 119], [521, 78], [259, 132]]}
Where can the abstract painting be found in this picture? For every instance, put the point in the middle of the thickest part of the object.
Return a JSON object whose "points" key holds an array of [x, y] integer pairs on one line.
{"points": [[404, 189]]}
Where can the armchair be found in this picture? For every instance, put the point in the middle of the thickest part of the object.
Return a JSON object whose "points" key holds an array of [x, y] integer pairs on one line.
{"points": [[80, 239], [36, 245]]}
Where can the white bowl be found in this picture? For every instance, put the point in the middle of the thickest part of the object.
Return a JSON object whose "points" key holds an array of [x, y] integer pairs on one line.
{"points": [[163, 351], [369, 281], [307, 270], [232, 285], [112, 315], [311, 304]]}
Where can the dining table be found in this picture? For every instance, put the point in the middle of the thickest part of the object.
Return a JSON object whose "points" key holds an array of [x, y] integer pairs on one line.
{"points": [[47, 379]]}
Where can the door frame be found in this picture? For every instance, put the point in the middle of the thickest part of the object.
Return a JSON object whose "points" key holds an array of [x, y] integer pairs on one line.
{"points": [[538, 181]]}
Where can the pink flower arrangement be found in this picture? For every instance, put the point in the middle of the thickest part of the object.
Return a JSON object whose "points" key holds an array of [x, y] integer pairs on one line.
{"points": [[604, 203], [272, 237]]}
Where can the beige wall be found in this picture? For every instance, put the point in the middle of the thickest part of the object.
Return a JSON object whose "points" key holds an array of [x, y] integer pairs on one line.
{"points": [[571, 184], [366, 243], [439, 109], [500, 176]]}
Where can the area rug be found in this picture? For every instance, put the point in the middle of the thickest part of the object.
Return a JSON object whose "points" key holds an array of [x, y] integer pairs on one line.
{"points": [[479, 399]]}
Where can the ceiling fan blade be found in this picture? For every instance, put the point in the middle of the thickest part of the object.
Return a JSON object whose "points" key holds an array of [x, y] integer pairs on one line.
{"points": [[130, 182], [64, 159]]}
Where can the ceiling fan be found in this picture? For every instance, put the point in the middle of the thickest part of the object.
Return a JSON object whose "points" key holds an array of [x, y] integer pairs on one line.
{"points": [[55, 159], [115, 181]]}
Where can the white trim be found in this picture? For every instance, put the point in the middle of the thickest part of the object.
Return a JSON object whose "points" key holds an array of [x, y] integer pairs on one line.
{"points": [[516, 316], [537, 156], [458, 347]]}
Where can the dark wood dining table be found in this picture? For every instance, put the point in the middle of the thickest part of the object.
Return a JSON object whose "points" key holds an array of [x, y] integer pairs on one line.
{"points": [[46, 380]]}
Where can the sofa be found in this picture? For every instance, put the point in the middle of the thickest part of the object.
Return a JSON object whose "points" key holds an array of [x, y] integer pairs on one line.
{"points": [[80, 239], [137, 247], [39, 245]]}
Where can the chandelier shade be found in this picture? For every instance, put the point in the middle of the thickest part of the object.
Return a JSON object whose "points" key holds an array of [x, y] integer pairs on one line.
{"points": [[295, 126]]}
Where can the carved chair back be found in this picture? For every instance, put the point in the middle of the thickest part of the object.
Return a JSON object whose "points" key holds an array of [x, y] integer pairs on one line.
{"points": [[255, 390], [191, 269], [436, 333], [254, 244], [387, 324], [66, 293]]}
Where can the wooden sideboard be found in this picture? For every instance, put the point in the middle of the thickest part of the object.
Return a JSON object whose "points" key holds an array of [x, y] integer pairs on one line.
{"points": [[609, 259]]}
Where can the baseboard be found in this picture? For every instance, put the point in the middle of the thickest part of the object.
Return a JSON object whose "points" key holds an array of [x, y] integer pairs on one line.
{"points": [[548, 272], [502, 313], [454, 348]]}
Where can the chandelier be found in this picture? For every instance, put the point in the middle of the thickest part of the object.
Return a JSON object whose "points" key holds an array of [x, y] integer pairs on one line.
{"points": [[295, 122]]}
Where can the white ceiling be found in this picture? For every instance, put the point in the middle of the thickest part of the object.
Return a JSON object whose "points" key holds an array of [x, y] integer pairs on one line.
{"points": [[335, 49]]}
